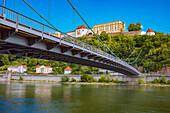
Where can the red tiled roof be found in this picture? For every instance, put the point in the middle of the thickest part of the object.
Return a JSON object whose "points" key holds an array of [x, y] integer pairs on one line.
{"points": [[44, 66], [48, 67], [24, 66], [81, 27], [150, 30], [38, 66], [68, 68]]}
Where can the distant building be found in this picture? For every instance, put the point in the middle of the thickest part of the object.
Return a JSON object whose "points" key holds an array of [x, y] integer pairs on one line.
{"points": [[80, 32], [19, 69], [111, 27], [67, 70], [150, 32], [44, 69]]}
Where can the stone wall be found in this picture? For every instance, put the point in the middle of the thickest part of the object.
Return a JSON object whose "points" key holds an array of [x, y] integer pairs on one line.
{"points": [[131, 33], [77, 77]]}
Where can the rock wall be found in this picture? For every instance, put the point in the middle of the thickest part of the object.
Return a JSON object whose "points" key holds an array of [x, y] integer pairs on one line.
{"points": [[131, 33]]}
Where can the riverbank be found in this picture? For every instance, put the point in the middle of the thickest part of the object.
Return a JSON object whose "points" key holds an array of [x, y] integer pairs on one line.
{"points": [[117, 84], [86, 83]]}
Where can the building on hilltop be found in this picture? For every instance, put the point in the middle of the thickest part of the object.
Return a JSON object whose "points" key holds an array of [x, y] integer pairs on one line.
{"points": [[111, 27], [18, 69], [67, 70], [150, 32], [44, 69], [80, 32]]}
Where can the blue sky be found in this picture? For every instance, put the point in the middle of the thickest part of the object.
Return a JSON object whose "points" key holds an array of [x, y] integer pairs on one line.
{"points": [[154, 14]]}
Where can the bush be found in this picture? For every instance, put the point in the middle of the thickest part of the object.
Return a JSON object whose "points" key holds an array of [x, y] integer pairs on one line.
{"points": [[168, 82], [95, 80], [108, 78], [155, 81], [20, 77], [163, 80], [103, 78], [159, 81], [73, 80], [84, 77], [140, 81], [112, 80], [65, 78], [117, 80], [91, 79]]}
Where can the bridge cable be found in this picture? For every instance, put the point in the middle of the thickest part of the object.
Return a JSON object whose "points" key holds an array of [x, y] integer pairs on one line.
{"points": [[130, 55], [49, 12], [47, 21], [136, 58], [4, 3], [92, 30], [14, 4], [73, 21]]}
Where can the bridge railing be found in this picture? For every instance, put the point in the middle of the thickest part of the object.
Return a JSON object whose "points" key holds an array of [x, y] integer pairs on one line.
{"points": [[33, 24]]}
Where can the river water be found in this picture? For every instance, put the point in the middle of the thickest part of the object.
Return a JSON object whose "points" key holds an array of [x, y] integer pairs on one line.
{"points": [[30, 97]]}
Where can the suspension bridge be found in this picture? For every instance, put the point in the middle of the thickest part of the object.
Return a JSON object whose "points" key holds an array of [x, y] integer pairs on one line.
{"points": [[23, 36]]}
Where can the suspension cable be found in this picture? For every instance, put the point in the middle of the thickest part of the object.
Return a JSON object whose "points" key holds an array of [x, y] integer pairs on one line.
{"points": [[136, 58], [92, 30], [49, 10], [73, 20], [47, 21], [130, 55], [14, 4], [4, 3]]}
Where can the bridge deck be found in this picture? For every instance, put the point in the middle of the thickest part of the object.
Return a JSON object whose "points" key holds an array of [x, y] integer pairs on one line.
{"points": [[20, 35]]}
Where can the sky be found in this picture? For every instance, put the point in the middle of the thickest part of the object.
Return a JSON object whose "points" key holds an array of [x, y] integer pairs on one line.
{"points": [[154, 14]]}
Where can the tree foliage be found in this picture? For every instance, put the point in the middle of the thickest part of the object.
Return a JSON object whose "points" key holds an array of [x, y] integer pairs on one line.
{"points": [[134, 27]]}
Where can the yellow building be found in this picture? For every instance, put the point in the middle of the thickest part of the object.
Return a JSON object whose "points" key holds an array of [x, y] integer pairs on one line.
{"points": [[111, 27]]}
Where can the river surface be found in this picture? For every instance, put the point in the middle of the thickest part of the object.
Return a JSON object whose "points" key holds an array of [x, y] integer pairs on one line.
{"points": [[31, 97]]}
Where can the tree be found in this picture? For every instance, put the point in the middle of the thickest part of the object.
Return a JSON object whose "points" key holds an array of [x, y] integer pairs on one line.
{"points": [[134, 27]]}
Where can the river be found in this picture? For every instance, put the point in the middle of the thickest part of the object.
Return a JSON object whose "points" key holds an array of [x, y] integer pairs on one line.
{"points": [[32, 97]]}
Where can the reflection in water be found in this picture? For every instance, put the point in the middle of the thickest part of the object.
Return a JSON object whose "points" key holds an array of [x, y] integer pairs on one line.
{"points": [[52, 97]]}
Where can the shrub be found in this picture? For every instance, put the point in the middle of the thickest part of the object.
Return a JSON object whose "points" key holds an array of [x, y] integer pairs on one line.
{"points": [[168, 81], [140, 81], [95, 80], [103, 78], [112, 80], [91, 79], [159, 81], [84, 77], [108, 78], [20, 77], [65, 78], [163, 80], [73, 80], [155, 81], [117, 80]]}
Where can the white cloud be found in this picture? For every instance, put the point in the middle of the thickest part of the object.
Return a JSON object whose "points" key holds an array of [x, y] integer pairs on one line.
{"points": [[142, 26], [143, 33]]}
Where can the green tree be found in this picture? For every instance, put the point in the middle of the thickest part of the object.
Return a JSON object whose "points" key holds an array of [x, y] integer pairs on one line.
{"points": [[134, 27]]}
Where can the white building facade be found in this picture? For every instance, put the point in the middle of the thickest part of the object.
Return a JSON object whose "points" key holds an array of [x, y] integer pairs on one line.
{"points": [[19, 69], [44, 69], [150, 32], [67, 70], [80, 32]]}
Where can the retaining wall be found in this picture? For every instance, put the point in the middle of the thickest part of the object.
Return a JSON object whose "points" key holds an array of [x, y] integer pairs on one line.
{"points": [[77, 77]]}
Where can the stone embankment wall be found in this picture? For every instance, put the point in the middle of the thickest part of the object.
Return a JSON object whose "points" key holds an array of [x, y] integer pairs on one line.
{"points": [[131, 33], [77, 77]]}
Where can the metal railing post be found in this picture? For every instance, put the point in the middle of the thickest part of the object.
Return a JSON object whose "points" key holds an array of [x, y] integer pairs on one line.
{"points": [[42, 32], [17, 23]]}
